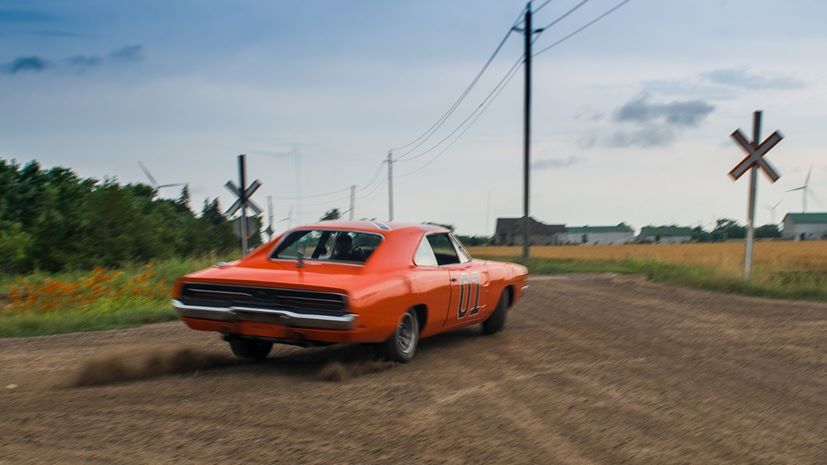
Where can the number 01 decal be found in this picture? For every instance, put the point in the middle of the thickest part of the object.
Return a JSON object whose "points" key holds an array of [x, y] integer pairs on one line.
{"points": [[469, 285]]}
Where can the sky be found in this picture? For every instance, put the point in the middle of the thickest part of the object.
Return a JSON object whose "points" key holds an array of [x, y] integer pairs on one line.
{"points": [[631, 117]]}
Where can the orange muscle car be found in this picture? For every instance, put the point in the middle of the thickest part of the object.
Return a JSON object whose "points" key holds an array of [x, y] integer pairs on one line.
{"points": [[350, 282]]}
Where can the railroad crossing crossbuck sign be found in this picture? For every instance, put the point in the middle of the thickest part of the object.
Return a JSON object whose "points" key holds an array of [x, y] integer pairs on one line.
{"points": [[755, 155], [244, 192], [248, 192], [753, 162]]}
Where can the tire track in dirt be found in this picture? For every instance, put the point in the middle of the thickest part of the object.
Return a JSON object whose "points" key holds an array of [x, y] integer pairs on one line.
{"points": [[589, 370]]}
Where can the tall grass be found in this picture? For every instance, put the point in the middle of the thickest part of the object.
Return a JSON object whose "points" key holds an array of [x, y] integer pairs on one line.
{"points": [[726, 257], [42, 303], [800, 284]]}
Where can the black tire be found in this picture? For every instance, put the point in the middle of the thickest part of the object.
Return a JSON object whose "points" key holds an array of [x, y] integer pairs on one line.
{"points": [[250, 349], [401, 346], [496, 322]]}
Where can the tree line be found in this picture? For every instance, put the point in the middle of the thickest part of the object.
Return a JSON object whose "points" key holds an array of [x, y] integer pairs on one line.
{"points": [[54, 220]]}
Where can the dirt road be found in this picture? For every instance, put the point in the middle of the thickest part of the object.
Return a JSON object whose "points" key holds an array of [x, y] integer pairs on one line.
{"points": [[589, 370]]}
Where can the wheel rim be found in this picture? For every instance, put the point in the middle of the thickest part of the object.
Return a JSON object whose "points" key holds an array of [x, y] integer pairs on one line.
{"points": [[405, 334]]}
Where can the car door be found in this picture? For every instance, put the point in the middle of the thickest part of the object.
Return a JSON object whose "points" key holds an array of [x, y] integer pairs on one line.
{"points": [[466, 291], [474, 284], [431, 285]]}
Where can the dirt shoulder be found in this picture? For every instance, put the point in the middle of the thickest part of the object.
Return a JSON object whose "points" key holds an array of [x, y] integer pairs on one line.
{"points": [[590, 369]]}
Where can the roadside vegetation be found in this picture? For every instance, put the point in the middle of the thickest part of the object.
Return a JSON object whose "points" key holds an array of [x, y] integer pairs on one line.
{"points": [[725, 257], [80, 254], [782, 284], [53, 220], [47, 303]]}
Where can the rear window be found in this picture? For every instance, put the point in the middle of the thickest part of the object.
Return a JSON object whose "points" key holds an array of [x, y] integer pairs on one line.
{"points": [[326, 245]]}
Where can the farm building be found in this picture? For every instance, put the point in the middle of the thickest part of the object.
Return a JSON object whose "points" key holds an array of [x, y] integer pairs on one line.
{"points": [[805, 226], [665, 234], [509, 231], [620, 234]]}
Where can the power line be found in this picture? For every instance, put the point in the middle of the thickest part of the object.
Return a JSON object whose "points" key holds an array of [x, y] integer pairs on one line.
{"points": [[430, 131], [372, 179], [340, 199], [541, 6], [322, 194], [373, 192], [325, 194], [499, 85], [462, 123], [584, 27], [563, 16], [539, 33], [328, 202], [495, 92]]}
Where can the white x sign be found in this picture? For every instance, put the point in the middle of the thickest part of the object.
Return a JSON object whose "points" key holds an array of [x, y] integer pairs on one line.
{"points": [[755, 155]]}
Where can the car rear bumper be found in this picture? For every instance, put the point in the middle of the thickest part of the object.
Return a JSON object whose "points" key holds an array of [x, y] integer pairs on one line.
{"points": [[260, 315]]}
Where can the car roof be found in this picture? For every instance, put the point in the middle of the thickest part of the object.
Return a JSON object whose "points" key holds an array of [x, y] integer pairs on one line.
{"points": [[374, 226]]}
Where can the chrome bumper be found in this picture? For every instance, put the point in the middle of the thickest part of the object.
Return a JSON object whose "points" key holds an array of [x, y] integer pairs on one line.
{"points": [[285, 317]]}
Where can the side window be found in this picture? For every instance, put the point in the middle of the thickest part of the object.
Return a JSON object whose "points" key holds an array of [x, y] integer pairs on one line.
{"points": [[444, 250], [425, 254]]}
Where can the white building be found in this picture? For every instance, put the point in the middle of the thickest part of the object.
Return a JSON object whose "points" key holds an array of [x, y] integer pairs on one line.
{"points": [[805, 226], [620, 234]]}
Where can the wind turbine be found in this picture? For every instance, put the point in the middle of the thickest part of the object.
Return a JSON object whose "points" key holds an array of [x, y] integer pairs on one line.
{"points": [[155, 183], [772, 208], [805, 190]]}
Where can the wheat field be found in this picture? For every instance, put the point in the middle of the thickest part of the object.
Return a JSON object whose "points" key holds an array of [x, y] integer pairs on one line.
{"points": [[724, 256]]}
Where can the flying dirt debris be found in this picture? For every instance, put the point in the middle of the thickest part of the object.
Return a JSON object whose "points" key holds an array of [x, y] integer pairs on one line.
{"points": [[131, 365]]}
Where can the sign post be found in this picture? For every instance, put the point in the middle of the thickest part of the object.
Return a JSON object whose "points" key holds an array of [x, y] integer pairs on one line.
{"points": [[754, 160], [243, 202]]}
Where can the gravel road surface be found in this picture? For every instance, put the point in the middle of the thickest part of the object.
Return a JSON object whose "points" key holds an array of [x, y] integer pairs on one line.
{"points": [[591, 369]]}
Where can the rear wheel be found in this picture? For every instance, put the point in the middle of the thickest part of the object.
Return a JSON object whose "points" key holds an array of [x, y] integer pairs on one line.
{"points": [[402, 344], [250, 349], [496, 322]]}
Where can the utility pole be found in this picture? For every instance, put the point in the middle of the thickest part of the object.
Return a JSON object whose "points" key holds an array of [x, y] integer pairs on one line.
{"points": [[753, 187], [242, 181], [352, 202], [390, 185], [529, 33]]}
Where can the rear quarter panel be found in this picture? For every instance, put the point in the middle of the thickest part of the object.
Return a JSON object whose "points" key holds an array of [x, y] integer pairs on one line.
{"points": [[504, 276]]}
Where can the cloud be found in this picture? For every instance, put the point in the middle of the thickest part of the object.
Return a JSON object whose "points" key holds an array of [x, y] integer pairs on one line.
{"points": [[83, 61], [658, 124], [23, 16], [128, 53], [548, 163], [676, 113], [748, 80], [650, 136], [33, 64]]}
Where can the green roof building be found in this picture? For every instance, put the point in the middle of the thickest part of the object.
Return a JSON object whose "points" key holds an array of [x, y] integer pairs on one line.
{"points": [[805, 226], [665, 234]]}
